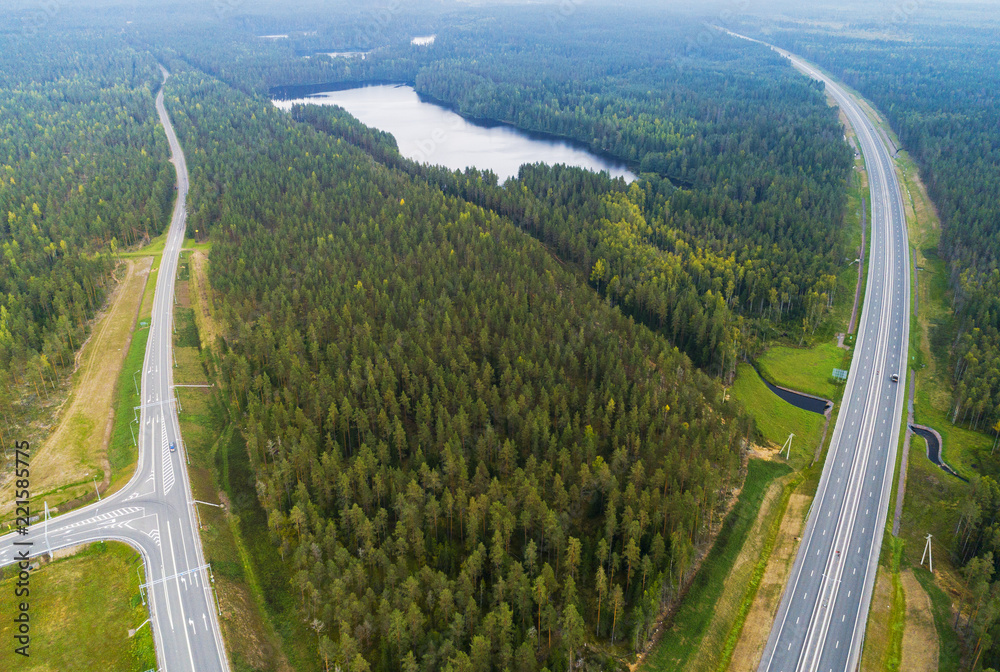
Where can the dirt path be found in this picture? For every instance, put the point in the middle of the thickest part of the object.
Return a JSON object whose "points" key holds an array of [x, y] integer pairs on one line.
{"points": [[920, 639], [76, 450], [758, 622], [201, 300]]}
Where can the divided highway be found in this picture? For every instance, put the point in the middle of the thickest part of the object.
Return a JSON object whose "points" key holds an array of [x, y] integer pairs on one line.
{"points": [[820, 624], [154, 513]]}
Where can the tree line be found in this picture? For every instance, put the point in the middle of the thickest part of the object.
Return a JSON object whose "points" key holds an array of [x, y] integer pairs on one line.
{"points": [[83, 174]]}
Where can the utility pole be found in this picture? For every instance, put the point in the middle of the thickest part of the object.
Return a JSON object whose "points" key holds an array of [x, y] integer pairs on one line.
{"points": [[47, 546], [787, 447], [928, 554], [142, 594]]}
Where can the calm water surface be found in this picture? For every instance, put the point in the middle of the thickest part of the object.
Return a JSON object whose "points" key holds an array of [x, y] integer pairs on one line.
{"points": [[429, 133]]}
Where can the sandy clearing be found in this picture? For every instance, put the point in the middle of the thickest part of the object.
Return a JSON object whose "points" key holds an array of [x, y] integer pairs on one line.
{"points": [[920, 639], [750, 646], [202, 300], [77, 447]]}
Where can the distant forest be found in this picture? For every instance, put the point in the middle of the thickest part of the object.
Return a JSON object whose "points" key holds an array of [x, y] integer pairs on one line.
{"points": [[939, 93], [740, 238]]}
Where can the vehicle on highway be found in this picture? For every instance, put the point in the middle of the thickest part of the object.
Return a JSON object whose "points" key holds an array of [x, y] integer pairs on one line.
{"points": [[895, 377], [173, 447]]}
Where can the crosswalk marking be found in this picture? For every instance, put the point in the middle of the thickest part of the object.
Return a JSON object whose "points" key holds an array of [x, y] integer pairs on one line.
{"points": [[168, 464]]}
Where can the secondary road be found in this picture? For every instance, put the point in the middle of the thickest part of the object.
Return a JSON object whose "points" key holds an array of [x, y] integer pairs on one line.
{"points": [[154, 513], [820, 624]]}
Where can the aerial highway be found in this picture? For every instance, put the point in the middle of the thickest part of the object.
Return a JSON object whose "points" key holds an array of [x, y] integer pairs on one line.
{"points": [[820, 624], [154, 512]]}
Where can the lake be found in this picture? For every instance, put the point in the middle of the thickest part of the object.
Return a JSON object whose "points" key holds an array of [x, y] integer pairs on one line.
{"points": [[430, 133]]}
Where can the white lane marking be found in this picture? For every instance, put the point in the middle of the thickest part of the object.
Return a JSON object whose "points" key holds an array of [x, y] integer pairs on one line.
{"points": [[180, 598]]}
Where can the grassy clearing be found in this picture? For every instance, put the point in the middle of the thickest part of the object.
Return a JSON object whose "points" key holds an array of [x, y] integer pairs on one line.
{"points": [[154, 248], [769, 523], [777, 418], [806, 370], [681, 643], [757, 624], [205, 316], [81, 609]]}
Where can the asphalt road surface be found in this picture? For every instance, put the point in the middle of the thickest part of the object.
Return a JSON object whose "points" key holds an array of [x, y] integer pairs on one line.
{"points": [[820, 625], [154, 513]]}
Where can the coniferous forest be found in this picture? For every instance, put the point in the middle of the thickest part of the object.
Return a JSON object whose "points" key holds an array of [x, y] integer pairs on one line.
{"points": [[83, 173], [473, 409]]}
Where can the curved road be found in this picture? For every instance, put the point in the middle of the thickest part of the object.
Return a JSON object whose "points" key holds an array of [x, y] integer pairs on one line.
{"points": [[820, 624], [154, 513]]}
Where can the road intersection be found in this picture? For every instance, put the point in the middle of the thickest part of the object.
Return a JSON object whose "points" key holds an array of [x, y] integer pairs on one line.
{"points": [[154, 512]]}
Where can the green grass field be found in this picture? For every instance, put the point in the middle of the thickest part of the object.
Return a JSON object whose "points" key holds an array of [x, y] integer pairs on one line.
{"points": [[121, 449], [806, 370], [776, 418], [681, 642], [81, 609]]}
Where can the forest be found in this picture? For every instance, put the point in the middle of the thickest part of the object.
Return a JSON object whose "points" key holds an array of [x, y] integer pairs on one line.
{"points": [[83, 172], [467, 457], [938, 95]]}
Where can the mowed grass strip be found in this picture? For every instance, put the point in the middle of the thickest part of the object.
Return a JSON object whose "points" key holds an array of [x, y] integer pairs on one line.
{"points": [[808, 370], [949, 648], [776, 418], [681, 643], [81, 609]]}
